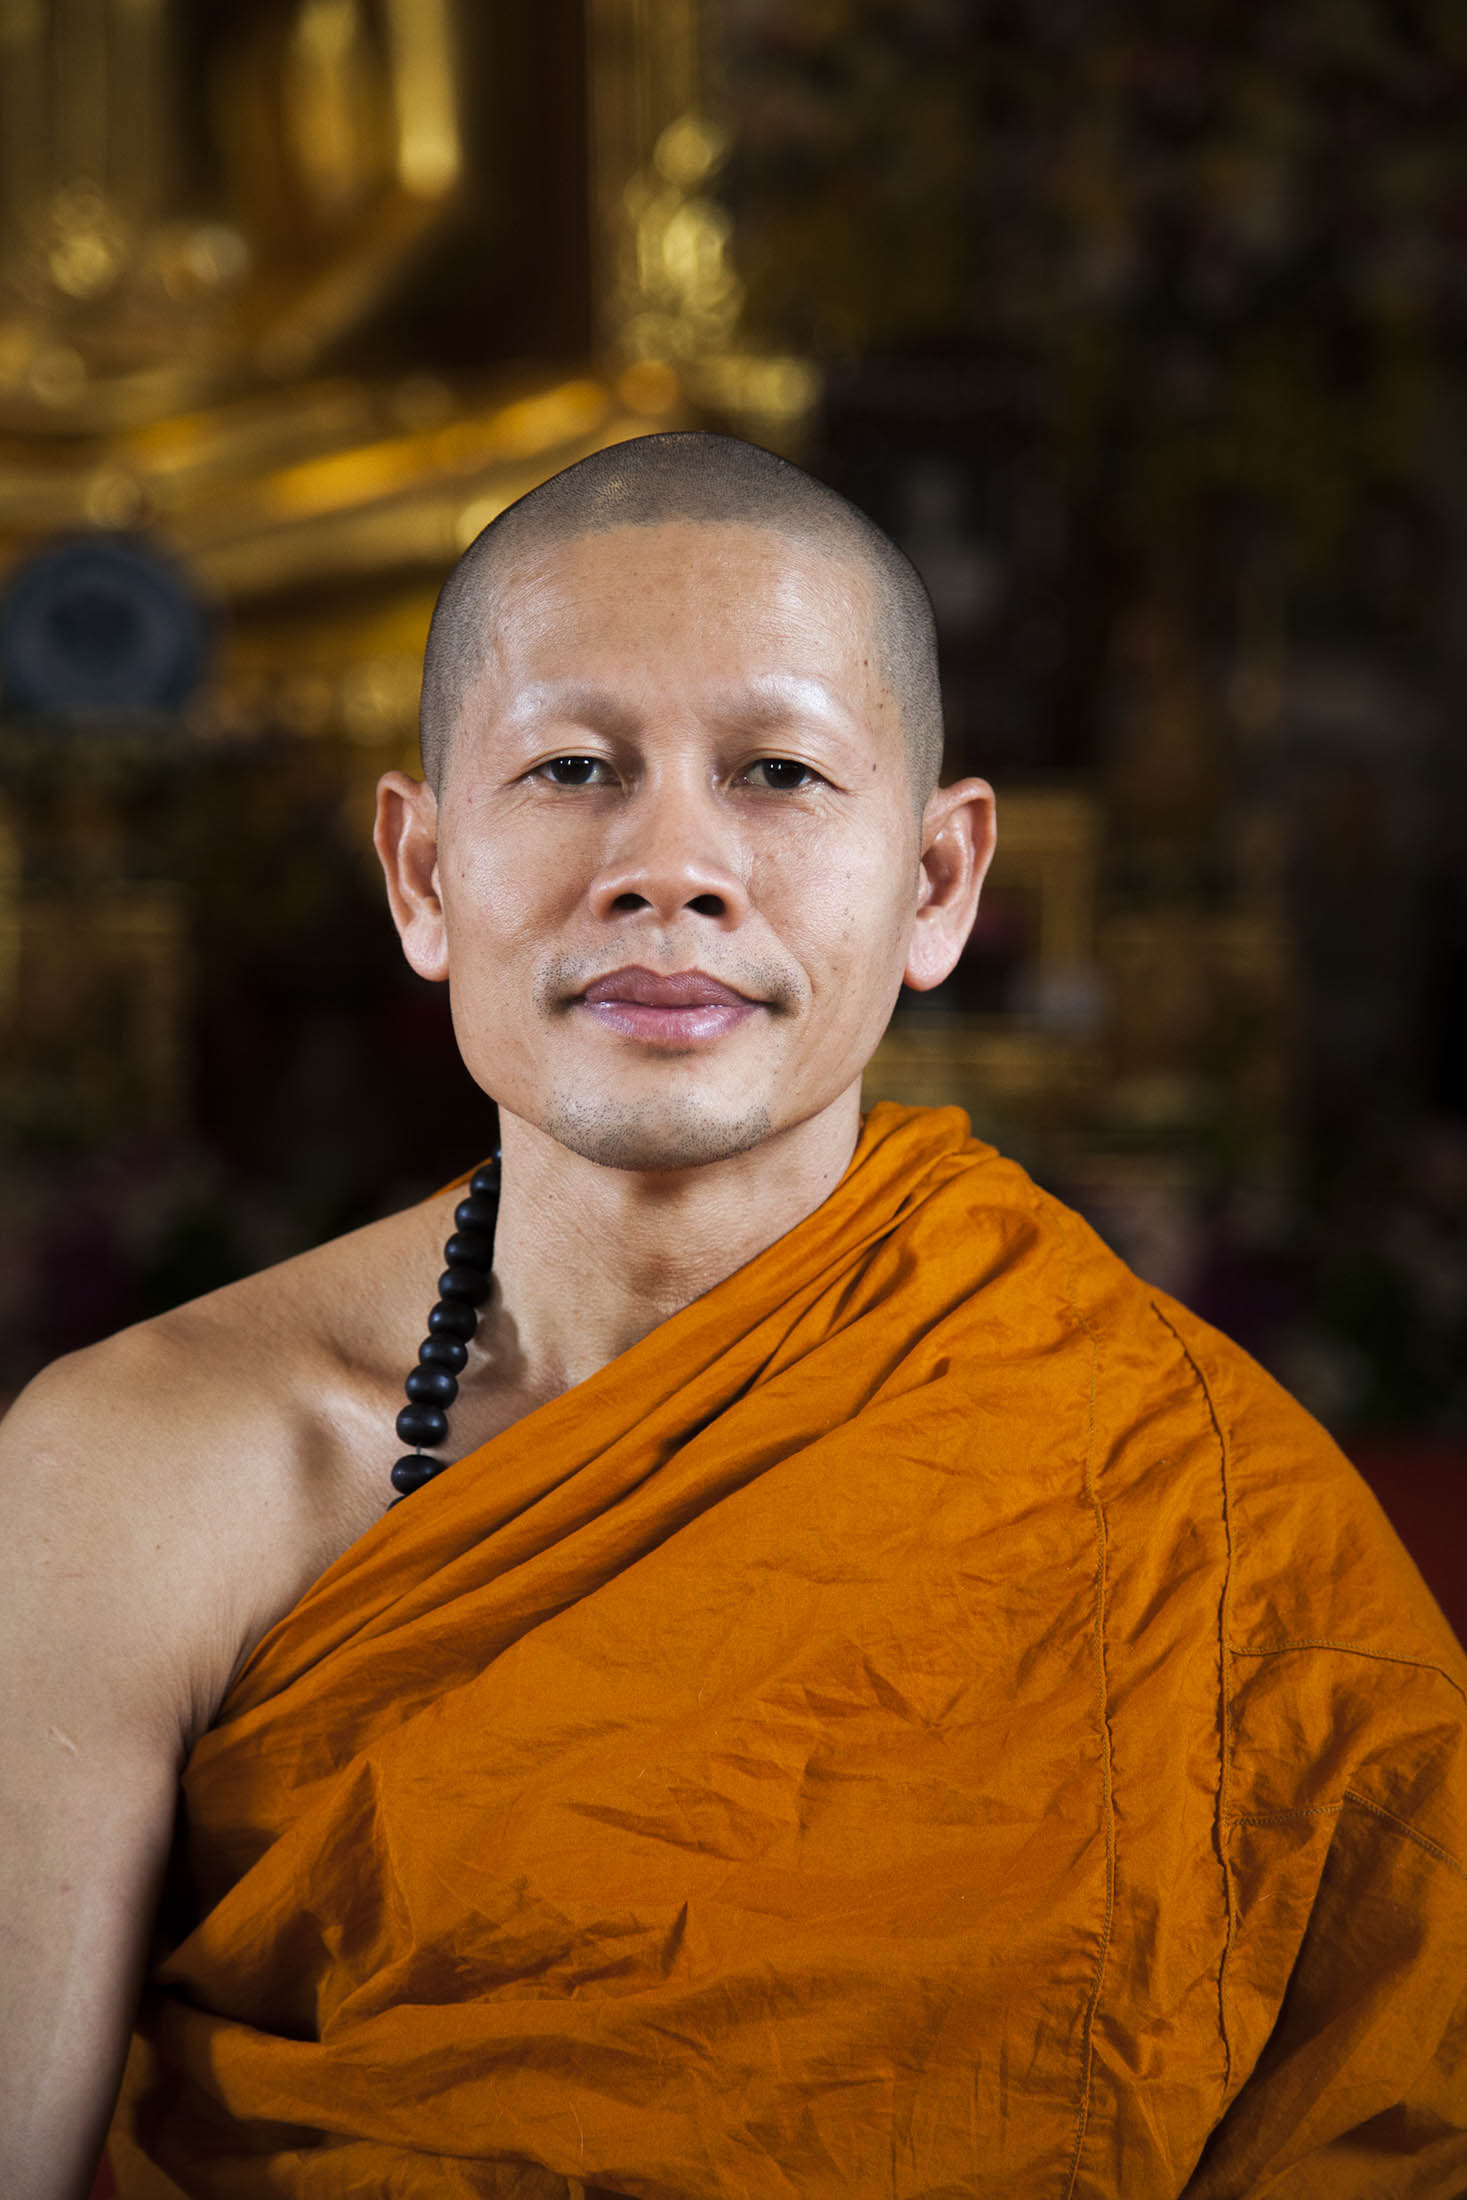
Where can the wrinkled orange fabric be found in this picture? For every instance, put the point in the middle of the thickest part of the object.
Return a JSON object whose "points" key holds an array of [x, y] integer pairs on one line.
{"points": [[933, 1719]]}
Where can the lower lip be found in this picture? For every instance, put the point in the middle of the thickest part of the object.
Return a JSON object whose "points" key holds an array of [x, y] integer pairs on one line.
{"points": [[671, 1026]]}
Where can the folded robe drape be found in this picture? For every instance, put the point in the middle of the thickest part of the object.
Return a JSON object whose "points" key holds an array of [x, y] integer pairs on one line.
{"points": [[932, 1719]]}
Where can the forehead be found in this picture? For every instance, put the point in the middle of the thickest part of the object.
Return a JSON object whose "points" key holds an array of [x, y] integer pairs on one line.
{"points": [[689, 595]]}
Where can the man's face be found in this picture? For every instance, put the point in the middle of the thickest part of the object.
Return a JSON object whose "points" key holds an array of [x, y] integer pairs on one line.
{"points": [[679, 763]]}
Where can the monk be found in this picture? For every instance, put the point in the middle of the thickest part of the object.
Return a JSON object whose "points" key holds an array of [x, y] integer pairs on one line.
{"points": [[833, 1686]]}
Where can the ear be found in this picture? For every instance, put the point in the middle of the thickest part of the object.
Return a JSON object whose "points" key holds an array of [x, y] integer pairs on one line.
{"points": [[958, 831], [405, 837]]}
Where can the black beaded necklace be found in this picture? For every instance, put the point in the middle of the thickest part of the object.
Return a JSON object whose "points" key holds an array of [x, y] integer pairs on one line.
{"points": [[462, 1289]]}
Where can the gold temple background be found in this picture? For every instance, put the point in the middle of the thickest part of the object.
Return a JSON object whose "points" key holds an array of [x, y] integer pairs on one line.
{"points": [[1144, 343]]}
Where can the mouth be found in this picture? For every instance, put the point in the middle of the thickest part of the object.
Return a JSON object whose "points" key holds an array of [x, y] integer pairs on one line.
{"points": [[684, 1009]]}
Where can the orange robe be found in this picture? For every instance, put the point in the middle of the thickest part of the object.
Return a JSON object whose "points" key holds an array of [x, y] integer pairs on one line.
{"points": [[933, 1719]]}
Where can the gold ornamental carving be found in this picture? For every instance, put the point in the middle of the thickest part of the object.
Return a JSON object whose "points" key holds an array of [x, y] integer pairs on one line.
{"points": [[671, 303], [164, 324], [129, 289]]}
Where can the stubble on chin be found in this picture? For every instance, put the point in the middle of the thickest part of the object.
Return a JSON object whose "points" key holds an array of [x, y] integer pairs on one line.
{"points": [[677, 1131]]}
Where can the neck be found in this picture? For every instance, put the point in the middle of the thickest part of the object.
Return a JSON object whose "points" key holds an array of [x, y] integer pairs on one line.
{"points": [[588, 1260]]}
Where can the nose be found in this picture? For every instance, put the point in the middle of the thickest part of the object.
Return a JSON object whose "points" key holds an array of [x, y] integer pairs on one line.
{"points": [[673, 850]]}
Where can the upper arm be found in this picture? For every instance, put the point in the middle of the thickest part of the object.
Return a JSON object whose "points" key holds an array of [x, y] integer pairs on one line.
{"points": [[95, 1693]]}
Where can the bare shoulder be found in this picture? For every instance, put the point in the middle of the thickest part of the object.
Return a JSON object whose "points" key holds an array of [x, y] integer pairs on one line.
{"points": [[167, 1496], [171, 1491]]}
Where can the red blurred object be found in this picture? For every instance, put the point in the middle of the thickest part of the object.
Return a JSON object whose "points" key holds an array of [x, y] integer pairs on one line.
{"points": [[1421, 1482], [102, 2186]]}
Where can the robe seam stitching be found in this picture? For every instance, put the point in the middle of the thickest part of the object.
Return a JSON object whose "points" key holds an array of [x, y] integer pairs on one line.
{"points": [[1355, 1649], [1403, 1825], [1282, 1817], [1098, 1639], [1332, 1810], [1221, 1822]]}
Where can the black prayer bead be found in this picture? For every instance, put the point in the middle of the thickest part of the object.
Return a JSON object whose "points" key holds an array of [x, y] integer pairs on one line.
{"points": [[464, 1285], [422, 1425], [453, 1318], [475, 1213], [432, 1386], [447, 1352], [470, 1249], [412, 1472]]}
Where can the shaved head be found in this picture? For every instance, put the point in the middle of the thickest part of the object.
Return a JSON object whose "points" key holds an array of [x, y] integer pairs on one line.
{"points": [[713, 479]]}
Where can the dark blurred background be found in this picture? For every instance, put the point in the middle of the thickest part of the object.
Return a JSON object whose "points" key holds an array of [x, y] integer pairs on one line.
{"points": [[1139, 326]]}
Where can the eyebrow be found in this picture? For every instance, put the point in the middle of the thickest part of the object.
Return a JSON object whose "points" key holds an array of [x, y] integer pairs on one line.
{"points": [[774, 698], [578, 703], [770, 699]]}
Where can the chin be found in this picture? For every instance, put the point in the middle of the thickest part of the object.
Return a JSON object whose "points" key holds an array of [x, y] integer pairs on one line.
{"points": [[662, 1134]]}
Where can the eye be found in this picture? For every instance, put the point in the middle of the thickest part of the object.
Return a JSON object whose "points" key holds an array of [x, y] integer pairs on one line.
{"points": [[571, 771], [782, 775]]}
